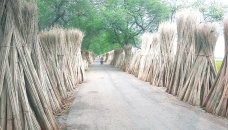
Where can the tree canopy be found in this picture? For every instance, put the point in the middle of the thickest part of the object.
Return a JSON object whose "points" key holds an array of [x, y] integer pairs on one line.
{"points": [[107, 24], [213, 11], [110, 24]]}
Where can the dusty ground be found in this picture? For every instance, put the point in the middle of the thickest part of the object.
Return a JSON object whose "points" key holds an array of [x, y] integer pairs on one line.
{"points": [[114, 100], [61, 117]]}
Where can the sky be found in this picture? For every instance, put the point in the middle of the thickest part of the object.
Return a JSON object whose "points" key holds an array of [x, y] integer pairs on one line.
{"points": [[220, 48]]}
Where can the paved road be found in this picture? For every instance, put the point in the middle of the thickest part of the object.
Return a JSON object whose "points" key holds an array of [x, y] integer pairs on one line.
{"points": [[114, 100]]}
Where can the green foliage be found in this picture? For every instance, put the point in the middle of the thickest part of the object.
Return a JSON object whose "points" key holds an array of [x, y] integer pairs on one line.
{"points": [[218, 64], [105, 23], [126, 19], [100, 45], [213, 11]]}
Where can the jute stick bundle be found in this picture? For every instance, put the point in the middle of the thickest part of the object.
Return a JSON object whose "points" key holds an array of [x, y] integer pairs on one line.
{"points": [[75, 66], [146, 57], [110, 57], [167, 35], [127, 58], [52, 43], [63, 51], [216, 101], [85, 62], [106, 57], [203, 72], [185, 55], [155, 60], [135, 63], [120, 60], [21, 89], [89, 56], [117, 60]]}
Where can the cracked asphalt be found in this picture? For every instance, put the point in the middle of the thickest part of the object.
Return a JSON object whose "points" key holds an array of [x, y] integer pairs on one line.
{"points": [[114, 100]]}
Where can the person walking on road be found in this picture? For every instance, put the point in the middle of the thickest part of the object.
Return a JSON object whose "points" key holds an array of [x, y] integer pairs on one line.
{"points": [[102, 60]]}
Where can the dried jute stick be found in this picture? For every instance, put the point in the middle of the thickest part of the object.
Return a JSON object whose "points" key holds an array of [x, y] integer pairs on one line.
{"points": [[217, 100]]}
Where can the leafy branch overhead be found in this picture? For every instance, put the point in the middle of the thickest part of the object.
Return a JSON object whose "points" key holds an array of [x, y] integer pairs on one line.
{"points": [[110, 22]]}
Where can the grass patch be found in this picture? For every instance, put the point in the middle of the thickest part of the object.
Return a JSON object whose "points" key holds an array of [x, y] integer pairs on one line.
{"points": [[218, 64]]}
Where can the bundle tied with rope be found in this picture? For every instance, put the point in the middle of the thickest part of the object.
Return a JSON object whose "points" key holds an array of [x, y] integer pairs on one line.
{"points": [[135, 63], [167, 33], [118, 57], [106, 57], [110, 57], [155, 63], [216, 101], [185, 55], [23, 102], [127, 58], [146, 57], [62, 50], [89, 56], [85, 62], [203, 72]]}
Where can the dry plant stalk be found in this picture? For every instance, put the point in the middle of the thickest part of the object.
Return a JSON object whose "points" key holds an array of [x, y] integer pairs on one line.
{"points": [[106, 57], [127, 58], [62, 49], [110, 57], [134, 65], [150, 58], [146, 59], [217, 99], [155, 57], [118, 56], [89, 56], [185, 55], [167, 35], [85, 62], [23, 102], [203, 72]]}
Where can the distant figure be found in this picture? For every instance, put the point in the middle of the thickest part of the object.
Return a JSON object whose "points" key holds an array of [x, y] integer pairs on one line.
{"points": [[102, 60]]}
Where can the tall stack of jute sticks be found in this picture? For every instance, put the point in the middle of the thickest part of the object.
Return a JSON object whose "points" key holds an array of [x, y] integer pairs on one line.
{"points": [[31, 83], [135, 63], [109, 57], [154, 61], [106, 56], [155, 64], [202, 74], [185, 55], [85, 61], [118, 58], [150, 57], [216, 101], [62, 50], [23, 104], [89, 56], [167, 33], [127, 58], [146, 57]]}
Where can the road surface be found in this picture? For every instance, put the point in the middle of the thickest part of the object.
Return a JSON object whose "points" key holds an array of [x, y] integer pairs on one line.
{"points": [[114, 100]]}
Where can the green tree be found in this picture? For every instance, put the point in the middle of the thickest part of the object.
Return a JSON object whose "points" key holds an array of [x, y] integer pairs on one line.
{"points": [[80, 14], [104, 22], [213, 11], [126, 19]]}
